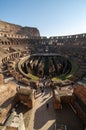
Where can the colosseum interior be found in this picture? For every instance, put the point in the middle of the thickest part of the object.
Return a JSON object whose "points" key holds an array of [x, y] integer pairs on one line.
{"points": [[35, 68]]}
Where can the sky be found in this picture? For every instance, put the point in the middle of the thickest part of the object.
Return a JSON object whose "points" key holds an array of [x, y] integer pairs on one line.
{"points": [[51, 17]]}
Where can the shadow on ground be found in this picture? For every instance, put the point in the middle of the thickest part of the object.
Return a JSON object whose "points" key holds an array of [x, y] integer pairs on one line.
{"points": [[44, 114]]}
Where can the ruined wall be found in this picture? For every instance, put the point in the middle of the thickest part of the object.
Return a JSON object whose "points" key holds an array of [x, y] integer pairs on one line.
{"points": [[16, 29], [7, 96], [80, 92], [7, 91], [1, 79]]}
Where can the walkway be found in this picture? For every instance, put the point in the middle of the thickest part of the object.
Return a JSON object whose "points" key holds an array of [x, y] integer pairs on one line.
{"points": [[43, 118]]}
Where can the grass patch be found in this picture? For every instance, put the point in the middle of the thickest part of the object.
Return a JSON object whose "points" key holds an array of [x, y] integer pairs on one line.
{"points": [[55, 78], [33, 77], [72, 72]]}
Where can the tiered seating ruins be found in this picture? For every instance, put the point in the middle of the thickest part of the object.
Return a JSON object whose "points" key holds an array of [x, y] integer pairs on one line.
{"points": [[25, 60]]}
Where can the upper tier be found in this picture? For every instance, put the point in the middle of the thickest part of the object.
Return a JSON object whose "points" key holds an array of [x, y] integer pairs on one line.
{"points": [[13, 29]]}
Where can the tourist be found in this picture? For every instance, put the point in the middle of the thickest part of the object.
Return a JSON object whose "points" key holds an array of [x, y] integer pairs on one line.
{"points": [[47, 105], [42, 90]]}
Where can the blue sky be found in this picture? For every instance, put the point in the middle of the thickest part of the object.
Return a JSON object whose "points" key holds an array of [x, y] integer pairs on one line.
{"points": [[51, 17]]}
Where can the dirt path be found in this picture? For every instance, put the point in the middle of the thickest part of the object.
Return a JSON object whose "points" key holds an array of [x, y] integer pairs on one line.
{"points": [[43, 118]]}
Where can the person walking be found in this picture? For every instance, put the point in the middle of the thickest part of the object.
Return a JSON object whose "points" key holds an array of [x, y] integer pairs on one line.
{"points": [[47, 105], [42, 91]]}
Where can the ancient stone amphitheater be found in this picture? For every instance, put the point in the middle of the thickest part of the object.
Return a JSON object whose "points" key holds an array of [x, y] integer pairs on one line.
{"points": [[26, 59]]}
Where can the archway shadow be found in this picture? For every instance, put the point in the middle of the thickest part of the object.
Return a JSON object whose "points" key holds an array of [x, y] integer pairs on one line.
{"points": [[43, 115]]}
